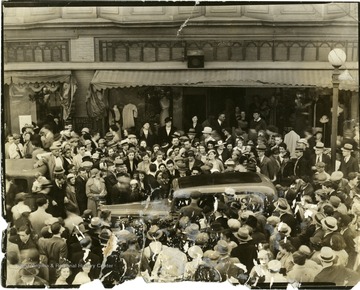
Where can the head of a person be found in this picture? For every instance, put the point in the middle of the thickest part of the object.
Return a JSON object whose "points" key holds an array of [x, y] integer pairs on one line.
{"points": [[221, 117], [24, 233], [63, 271]]}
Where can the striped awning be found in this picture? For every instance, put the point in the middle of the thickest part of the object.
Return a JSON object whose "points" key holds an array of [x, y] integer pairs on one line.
{"points": [[31, 77], [105, 79]]}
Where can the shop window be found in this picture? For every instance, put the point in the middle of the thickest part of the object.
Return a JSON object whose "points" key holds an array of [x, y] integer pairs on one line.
{"points": [[120, 54], [163, 54], [135, 53], [222, 53], [56, 54], [236, 52]]}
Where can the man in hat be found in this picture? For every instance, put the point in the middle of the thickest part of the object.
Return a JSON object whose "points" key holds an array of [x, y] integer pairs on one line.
{"points": [[206, 135], [301, 166], [57, 194], [222, 152], [219, 125], [348, 162], [193, 211], [266, 166], [47, 136], [165, 132], [319, 156], [330, 227], [28, 276], [333, 273], [53, 160], [191, 161], [246, 251], [80, 189]]}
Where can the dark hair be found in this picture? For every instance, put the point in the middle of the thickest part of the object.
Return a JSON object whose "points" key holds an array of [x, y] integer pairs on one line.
{"points": [[299, 258], [287, 246], [114, 128], [104, 214], [152, 167], [328, 210], [94, 132], [24, 228], [71, 207], [12, 257], [330, 184], [55, 228], [337, 242], [169, 162], [41, 201]]}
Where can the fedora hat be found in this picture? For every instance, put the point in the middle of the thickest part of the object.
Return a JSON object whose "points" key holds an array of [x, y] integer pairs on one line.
{"points": [[261, 147], [274, 266], [282, 205], [167, 119], [195, 251], [234, 224], [319, 145], [284, 228], [243, 234], [219, 143], [95, 223], [55, 145], [109, 135], [327, 254], [302, 141], [86, 130], [28, 271], [347, 147], [336, 176], [207, 130], [318, 217], [154, 233], [191, 231], [105, 235], [330, 223], [191, 131], [211, 254], [59, 170], [222, 247], [273, 220]]}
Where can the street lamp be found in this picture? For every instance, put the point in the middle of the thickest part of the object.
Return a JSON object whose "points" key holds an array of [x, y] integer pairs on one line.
{"points": [[337, 58]]}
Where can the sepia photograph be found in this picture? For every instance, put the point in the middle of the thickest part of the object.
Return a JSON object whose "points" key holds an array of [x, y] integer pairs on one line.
{"points": [[180, 142]]}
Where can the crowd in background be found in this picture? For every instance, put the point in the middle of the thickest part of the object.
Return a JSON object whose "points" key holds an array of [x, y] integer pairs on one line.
{"points": [[60, 235]]}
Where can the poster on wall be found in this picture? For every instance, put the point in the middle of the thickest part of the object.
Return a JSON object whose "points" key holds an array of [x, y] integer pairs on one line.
{"points": [[24, 120]]}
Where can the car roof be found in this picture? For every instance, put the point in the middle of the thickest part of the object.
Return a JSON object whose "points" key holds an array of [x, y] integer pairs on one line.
{"points": [[219, 182]]}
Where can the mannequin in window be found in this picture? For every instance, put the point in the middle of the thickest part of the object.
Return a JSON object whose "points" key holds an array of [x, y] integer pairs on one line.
{"points": [[165, 106]]}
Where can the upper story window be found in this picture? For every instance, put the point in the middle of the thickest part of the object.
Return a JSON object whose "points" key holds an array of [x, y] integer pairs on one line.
{"points": [[36, 51], [116, 50]]}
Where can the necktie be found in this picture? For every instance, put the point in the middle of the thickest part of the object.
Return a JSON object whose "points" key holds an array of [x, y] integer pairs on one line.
{"points": [[317, 159], [18, 149]]}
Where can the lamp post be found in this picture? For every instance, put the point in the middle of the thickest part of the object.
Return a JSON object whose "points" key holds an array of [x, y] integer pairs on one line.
{"points": [[337, 58]]}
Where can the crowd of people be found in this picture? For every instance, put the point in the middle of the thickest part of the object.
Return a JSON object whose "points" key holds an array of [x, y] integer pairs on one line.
{"points": [[58, 233]]}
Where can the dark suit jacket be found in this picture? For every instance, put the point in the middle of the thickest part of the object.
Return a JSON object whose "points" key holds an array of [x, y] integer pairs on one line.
{"points": [[325, 158], [110, 181], [302, 167], [80, 190], [150, 139], [129, 170], [219, 128], [351, 166], [267, 167], [246, 253], [163, 137], [57, 194]]}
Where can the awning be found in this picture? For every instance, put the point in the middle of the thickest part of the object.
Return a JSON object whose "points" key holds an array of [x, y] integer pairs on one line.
{"points": [[105, 79], [31, 77]]}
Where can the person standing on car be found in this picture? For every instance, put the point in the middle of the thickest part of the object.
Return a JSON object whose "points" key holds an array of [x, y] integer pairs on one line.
{"points": [[265, 164]]}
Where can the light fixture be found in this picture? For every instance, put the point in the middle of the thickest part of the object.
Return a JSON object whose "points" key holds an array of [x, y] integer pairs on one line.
{"points": [[337, 57], [195, 58]]}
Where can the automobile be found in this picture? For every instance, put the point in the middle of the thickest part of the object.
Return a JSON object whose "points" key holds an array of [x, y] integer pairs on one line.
{"points": [[241, 186], [22, 173]]}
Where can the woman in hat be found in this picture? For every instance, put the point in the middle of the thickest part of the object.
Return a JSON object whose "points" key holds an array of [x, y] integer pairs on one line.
{"points": [[95, 190]]}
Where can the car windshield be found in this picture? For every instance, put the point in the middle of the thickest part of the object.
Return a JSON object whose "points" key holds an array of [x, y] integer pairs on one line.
{"points": [[218, 179]]}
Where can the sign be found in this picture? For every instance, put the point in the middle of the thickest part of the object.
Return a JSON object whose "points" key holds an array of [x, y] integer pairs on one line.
{"points": [[23, 120]]}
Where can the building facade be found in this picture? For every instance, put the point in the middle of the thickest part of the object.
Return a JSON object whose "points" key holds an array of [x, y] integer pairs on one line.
{"points": [[81, 64]]}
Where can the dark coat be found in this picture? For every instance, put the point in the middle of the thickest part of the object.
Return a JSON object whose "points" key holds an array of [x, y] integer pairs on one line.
{"points": [[301, 167], [325, 158], [119, 195], [267, 167], [57, 194], [80, 190], [338, 275], [163, 137], [110, 181], [258, 125], [246, 253], [129, 169], [351, 166]]}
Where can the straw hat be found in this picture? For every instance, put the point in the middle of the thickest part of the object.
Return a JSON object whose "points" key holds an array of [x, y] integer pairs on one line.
{"points": [[243, 234], [330, 223], [222, 247], [327, 254]]}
